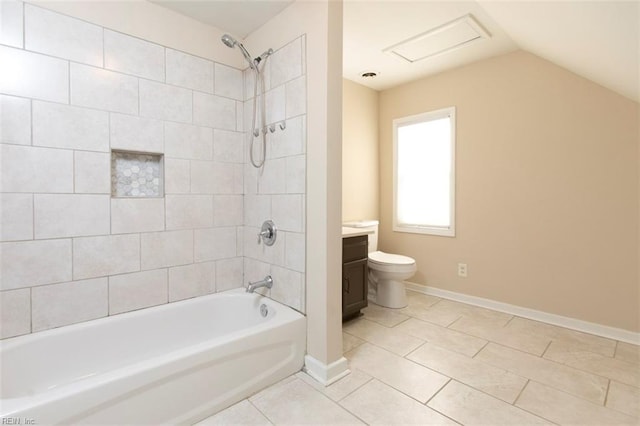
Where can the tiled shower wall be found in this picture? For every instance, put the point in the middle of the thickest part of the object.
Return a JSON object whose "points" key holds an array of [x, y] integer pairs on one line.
{"points": [[277, 190], [70, 252]]}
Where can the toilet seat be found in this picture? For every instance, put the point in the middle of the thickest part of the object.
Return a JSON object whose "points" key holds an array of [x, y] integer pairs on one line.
{"points": [[386, 262], [383, 258]]}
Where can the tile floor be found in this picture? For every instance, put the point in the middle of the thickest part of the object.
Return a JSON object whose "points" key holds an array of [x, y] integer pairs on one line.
{"points": [[443, 362]]}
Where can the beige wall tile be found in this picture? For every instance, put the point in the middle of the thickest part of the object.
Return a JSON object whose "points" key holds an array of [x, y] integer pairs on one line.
{"points": [[31, 169], [68, 303], [229, 274], [11, 23], [65, 126], [32, 69], [129, 215], [62, 36], [177, 176], [75, 215], [16, 217], [103, 89], [129, 292], [193, 280], [15, 312], [215, 243], [189, 211], [132, 55], [29, 263], [162, 249], [132, 133], [92, 172], [105, 255], [15, 120], [189, 71], [214, 111], [188, 141], [228, 82]]}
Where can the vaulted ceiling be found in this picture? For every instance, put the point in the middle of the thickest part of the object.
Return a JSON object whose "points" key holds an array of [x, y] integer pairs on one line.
{"points": [[599, 40]]}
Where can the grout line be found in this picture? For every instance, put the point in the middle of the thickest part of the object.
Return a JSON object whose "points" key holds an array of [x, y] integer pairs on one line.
{"points": [[437, 392], [480, 350], [606, 395], [546, 349], [520, 393], [615, 349]]}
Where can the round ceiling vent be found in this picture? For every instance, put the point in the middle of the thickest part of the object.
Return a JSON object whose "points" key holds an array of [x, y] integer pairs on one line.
{"points": [[369, 74]]}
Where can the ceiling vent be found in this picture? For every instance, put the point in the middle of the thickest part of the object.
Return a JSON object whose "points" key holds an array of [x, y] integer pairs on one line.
{"points": [[445, 38]]}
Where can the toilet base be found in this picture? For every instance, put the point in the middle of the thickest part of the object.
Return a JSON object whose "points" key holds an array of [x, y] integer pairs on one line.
{"points": [[390, 294]]}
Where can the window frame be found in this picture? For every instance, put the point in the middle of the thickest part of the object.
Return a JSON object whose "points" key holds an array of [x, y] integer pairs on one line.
{"points": [[449, 231]]}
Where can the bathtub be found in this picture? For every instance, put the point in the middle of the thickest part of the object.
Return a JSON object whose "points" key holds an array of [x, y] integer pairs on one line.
{"points": [[175, 363]]}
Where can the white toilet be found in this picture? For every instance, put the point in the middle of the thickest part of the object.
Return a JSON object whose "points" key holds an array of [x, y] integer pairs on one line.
{"points": [[386, 271]]}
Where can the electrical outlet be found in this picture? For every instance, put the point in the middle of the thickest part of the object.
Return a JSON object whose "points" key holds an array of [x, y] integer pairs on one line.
{"points": [[462, 270]]}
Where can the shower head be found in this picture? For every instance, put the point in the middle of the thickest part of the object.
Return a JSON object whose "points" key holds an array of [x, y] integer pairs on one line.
{"points": [[229, 41], [232, 42]]}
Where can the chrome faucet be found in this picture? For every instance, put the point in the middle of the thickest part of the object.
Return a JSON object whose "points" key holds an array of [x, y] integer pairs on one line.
{"points": [[267, 282]]}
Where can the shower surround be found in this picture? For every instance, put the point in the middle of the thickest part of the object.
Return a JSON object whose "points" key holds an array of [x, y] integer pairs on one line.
{"points": [[71, 92]]}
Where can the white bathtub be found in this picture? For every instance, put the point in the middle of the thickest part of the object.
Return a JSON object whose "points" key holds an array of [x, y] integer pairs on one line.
{"points": [[176, 363]]}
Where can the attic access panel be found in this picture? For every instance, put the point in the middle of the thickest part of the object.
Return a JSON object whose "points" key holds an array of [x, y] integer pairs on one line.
{"points": [[436, 41]]}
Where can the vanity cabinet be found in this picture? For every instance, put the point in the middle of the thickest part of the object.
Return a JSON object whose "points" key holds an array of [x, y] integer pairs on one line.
{"points": [[354, 275]]}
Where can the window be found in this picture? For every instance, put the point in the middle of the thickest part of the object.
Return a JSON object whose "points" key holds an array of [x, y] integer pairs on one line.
{"points": [[424, 172]]}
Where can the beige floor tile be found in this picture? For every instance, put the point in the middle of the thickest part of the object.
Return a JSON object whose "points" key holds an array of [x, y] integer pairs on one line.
{"points": [[338, 390], [624, 398], [579, 383], [404, 375], [387, 338], [242, 413], [385, 316], [565, 409], [471, 407], [379, 404], [442, 336], [571, 338], [628, 352], [296, 403], [496, 332], [446, 312], [621, 371], [477, 374], [349, 342], [415, 298]]}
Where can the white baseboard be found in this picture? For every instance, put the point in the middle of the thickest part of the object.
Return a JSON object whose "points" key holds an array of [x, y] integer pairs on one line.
{"points": [[323, 373], [562, 321]]}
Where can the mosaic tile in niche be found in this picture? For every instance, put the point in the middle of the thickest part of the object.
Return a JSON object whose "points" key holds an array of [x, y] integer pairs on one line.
{"points": [[136, 174]]}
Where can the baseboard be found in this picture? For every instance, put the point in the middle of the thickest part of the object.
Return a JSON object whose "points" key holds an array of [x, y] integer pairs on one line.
{"points": [[323, 373], [562, 321]]}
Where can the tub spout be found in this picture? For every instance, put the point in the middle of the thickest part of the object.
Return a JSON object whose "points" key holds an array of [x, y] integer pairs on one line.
{"points": [[266, 282]]}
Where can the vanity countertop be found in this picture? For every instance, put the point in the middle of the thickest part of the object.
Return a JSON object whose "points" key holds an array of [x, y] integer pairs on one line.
{"points": [[354, 232]]}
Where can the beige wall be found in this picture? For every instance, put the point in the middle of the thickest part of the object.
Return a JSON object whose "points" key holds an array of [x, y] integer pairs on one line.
{"points": [[360, 171], [547, 189]]}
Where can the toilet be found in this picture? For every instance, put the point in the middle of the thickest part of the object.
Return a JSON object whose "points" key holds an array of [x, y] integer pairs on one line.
{"points": [[386, 271]]}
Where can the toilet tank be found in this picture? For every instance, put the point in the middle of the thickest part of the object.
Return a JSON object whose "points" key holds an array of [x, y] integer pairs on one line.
{"points": [[368, 225]]}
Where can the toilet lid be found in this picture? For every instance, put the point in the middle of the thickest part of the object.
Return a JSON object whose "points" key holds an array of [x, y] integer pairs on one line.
{"points": [[390, 259]]}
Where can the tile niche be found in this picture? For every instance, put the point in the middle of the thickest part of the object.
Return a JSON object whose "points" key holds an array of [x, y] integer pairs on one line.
{"points": [[136, 174]]}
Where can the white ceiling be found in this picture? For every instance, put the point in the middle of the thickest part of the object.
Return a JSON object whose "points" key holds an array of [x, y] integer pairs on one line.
{"points": [[599, 40], [239, 17]]}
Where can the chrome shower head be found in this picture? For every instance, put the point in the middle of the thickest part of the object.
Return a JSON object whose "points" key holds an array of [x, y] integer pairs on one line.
{"points": [[232, 42], [229, 41]]}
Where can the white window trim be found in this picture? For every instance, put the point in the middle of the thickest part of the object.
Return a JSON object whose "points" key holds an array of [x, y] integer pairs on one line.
{"points": [[449, 231]]}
